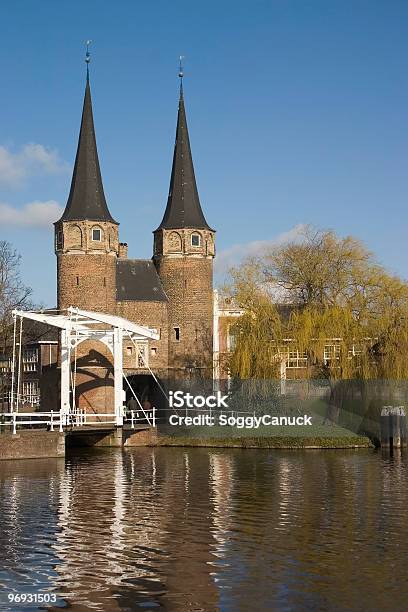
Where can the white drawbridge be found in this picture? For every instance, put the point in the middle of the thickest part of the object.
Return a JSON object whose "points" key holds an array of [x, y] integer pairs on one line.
{"points": [[76, 326]]}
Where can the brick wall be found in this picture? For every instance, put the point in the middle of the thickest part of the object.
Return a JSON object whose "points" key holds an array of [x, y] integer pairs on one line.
{"points": [[186, 272], [86, 268], [153, 315], [86, 274], [87, 281], [86, 278], [188, 285], [94, 390]]}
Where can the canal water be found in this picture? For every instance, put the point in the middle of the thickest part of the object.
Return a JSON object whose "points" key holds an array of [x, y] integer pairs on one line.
{"points": [[206, 529]]}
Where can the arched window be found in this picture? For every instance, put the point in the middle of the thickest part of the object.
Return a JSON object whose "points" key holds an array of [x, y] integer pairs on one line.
{"points": [[195, 240]]}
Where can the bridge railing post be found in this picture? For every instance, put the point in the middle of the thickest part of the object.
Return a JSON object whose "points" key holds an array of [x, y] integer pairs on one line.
{"points": [[14, 423], [132, 419], [154, 417], [52, 421]]}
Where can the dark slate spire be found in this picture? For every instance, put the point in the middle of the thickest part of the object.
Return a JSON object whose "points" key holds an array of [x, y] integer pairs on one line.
{"points": [[183, 205], [86, 198]]}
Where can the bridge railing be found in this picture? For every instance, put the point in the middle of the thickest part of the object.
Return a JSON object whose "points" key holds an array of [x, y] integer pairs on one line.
{"points": [[19, 399], [81, 417], [136, 417], [17, 419], [76, 418], [51, 420]]}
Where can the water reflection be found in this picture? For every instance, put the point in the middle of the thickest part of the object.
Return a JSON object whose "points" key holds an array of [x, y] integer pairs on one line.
{"points": [[202, 529]]}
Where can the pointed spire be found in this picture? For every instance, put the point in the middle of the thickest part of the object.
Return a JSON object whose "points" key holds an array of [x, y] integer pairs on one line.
{"points": [[181, 74], [86, 198], [183, 205]]}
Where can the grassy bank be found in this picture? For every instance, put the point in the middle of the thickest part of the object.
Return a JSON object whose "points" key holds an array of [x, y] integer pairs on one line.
{"points": [[279, 437]]}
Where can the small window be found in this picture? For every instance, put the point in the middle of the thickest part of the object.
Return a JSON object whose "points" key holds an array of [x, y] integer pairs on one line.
{"points": [[195, 240], [153, 351], [31, 391], [30, 360], [77, 280], [129, 350], [96, 234], [176, 333]]}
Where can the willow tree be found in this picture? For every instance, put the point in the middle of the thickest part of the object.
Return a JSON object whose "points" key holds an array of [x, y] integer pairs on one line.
{"points": [[259, 326], [317, 292]]}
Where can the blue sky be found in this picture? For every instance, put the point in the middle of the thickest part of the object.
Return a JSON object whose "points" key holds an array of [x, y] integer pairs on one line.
{"points": [[297, 114]]}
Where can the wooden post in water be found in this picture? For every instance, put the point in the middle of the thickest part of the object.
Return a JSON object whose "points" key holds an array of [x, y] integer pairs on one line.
{"points": [[393, 427], [385, 427]]}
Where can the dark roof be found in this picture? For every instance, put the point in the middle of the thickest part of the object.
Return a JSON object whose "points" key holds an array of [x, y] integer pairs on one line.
{"points": [[86, 198], [183, 205], [137, 280]]}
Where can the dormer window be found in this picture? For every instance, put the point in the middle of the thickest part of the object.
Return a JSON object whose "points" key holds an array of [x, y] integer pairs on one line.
{"points": [[96, 234], [195, 240]]}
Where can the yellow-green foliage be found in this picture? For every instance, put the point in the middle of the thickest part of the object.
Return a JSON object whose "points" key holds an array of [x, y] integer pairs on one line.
{"points": [[258, 328], [320, 290]]}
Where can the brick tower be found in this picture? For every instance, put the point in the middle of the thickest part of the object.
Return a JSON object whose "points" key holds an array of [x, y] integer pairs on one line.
{"points": [[183, 254], [86, 236], [86, 245]]}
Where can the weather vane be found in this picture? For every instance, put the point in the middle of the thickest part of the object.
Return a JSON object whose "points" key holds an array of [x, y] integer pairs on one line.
{"points": [[87, 54], [181, 71]]}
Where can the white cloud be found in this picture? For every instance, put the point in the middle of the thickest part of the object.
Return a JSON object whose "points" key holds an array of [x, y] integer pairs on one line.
{"points": [[32, 159], [233, 256], [33, 214]]}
